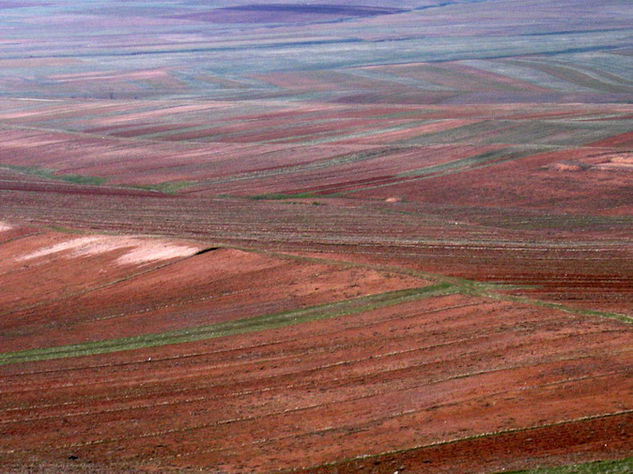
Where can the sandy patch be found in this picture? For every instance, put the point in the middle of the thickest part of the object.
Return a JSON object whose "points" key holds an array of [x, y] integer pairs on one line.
{"points": [[618, 161], [569, 166], [393, 199], [604, 161], [76, 245], [149, 251], [138, 251], [4, 226]]}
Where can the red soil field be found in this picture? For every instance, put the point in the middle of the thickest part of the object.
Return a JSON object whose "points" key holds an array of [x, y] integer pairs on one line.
{"points": [[584, 263], [624, 140], [565, 179], [315, 238], [119, 287], [265, 398], [424, 369]]}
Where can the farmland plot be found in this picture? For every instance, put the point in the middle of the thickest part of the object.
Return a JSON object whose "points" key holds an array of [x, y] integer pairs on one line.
{"points": [[325, 238]]}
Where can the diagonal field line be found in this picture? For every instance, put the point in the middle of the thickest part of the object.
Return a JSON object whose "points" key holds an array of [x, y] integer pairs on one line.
{"points": [[229, 328]]}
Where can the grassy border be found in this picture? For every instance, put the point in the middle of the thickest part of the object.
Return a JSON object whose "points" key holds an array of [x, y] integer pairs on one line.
{"points": [[615, 466], [51, 174], [491, 434], [229, 328]]}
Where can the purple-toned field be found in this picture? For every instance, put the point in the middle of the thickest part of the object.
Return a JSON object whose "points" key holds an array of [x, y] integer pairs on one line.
{"points": [[325, 237]]}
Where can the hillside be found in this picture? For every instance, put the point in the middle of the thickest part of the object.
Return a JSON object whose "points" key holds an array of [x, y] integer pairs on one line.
{"points": [[327, 237]]}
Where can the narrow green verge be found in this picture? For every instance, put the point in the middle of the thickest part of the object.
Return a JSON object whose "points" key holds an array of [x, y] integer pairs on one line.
{"points": [[167, 187], [229, 328], [50, 174], [622, 466], [463, 286], [561, 307], [280, 196]]}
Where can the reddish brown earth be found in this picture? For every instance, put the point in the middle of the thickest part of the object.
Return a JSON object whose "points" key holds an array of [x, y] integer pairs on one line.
{"points": [[329, 238], [423, 379], [551, 443], [578, 181], [579, 261], [63, 289], [405, 377]]}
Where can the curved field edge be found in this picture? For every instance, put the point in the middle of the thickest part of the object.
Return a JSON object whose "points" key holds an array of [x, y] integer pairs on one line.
{"points": [[465, 286], [54, 175], [230, 328], [619, 466], [444, 285], [415, 458], [165, 187]]}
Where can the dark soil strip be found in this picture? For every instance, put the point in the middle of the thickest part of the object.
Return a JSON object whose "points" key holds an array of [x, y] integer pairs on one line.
{"points": [[604, 437]]}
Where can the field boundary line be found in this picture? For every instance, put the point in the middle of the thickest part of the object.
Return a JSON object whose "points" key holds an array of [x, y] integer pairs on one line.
{"points": [[230, 328], [490, 434], [463, 286]]}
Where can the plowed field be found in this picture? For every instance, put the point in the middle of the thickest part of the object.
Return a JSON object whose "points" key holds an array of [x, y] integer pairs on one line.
{"points": [[315, 237]]}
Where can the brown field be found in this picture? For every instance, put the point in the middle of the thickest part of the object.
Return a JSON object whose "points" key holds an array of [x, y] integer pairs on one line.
{"points": [[437, 370], [122, 286], [317, 237]]}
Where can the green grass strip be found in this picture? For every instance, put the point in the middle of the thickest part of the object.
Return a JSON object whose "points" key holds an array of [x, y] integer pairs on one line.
{"points": [[341, 464], [229, 328], [622, 466], [560, 307], [464, 286], [280, 196], [50, 174], [167, 187]]}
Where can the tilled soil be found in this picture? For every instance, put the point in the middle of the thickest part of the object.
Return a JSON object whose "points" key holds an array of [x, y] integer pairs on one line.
{"points": [[422, 377]]}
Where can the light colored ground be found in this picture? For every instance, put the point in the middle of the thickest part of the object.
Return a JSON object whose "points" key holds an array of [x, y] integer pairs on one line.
{"points": [[137, 251]]}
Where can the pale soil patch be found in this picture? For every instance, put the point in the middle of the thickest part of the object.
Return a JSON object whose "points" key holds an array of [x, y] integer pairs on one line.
{"points": [[569, 166], [619, 161], [149, 251], [5, 227], [605, 161], [138, 250]]}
